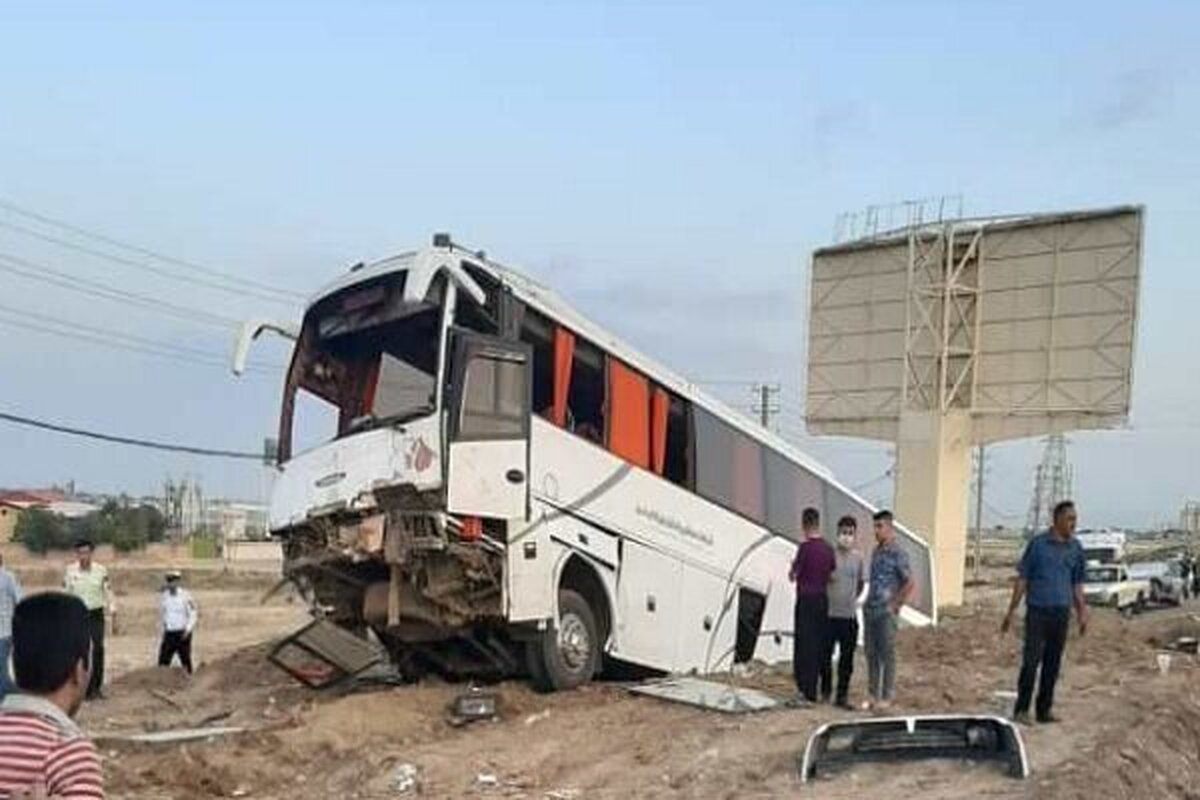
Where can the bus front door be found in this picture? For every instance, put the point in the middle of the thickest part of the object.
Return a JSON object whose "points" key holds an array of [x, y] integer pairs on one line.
{"points": [[488, 460]]}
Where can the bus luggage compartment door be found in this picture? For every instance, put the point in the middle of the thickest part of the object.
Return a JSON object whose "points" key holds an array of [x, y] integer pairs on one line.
{"points": [[488, 464], [648, 599]]}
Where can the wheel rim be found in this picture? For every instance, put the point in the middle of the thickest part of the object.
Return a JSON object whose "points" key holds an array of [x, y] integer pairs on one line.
{"points": [[574, 643]]}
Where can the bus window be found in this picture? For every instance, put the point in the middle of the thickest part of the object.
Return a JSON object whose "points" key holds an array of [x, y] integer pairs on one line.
{"points": [[729, 466], [538, 332], [679, 466], [791, 489], [586, 395], [494, 399]]}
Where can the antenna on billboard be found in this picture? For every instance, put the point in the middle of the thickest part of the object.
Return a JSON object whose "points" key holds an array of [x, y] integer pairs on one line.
{"points": [[881, 218]]}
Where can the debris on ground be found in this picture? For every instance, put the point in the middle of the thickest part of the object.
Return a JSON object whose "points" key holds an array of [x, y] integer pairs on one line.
{"points": [[175, 736], [963, 737], [533, 719], [404, 778], [322, 654], [474, 705], [708, 694]]}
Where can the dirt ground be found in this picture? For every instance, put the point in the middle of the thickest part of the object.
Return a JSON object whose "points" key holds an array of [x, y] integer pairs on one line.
{"points": [[1129, 730]]}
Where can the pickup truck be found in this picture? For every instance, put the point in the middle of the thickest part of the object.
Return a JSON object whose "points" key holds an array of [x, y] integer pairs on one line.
{"points": [[1110, 585]]}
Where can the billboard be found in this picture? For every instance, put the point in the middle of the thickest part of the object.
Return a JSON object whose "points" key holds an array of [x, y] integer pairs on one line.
{"points": [[1027, 323]]}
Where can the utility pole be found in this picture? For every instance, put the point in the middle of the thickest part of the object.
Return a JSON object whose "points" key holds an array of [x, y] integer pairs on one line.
{"points": [[765, 407], [979, 469]]}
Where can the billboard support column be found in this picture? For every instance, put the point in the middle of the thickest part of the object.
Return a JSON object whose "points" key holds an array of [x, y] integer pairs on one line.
{"points": [[933, 464]]}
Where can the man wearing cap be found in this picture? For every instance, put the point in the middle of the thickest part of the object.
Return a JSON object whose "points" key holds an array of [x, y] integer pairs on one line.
{"points": [[177, 619], [88, 581]]}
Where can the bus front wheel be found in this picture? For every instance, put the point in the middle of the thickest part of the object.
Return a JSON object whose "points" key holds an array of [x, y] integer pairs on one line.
{"points": [[566, 655]]}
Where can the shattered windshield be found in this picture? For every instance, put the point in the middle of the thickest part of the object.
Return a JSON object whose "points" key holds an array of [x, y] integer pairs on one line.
{"points": [[347, 378]]}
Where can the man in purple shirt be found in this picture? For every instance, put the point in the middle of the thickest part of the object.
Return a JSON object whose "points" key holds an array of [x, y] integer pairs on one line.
{"points": [[811, 569]]}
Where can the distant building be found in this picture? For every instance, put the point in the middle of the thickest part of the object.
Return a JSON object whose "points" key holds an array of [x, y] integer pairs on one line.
{"points": [[232, 520], [15, 501], [1189, 518]]}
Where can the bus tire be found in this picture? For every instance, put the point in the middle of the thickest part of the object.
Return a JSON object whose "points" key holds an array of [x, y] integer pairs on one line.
{"points": [[566, 655]]}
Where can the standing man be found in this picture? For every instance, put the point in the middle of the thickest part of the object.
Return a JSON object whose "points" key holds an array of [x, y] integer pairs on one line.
{"points": [[89, 582], [891, 585], [844, 590], [177, 620], [811, 568], [44, 754], [1050, 578], [10, 595]]}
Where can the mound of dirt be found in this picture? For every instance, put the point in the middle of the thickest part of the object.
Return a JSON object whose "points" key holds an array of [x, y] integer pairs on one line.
{"points": [[1153, 752]]}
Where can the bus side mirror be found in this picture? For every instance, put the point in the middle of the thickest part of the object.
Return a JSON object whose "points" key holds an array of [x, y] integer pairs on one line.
{"points": [[249, 331]]}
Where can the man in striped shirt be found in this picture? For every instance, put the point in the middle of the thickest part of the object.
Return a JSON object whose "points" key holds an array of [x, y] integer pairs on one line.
{"points": [[43, 753]]}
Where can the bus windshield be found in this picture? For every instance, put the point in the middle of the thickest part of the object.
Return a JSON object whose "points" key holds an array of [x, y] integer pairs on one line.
{"points": [[348, 378]]}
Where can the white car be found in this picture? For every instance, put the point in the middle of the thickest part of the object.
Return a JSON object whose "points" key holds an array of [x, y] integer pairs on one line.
{"points": [[1167, 584], [1110, 585]]}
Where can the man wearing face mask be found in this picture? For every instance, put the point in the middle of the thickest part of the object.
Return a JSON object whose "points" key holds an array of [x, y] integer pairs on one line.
{"points": [[845, 587], [43, 753]]}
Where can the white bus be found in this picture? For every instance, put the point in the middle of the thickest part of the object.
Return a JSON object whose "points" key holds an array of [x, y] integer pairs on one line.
{"points": [[506, 488]]}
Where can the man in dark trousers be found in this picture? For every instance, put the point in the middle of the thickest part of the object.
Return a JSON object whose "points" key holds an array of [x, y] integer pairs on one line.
{"points": [[845, 587], [811, 569], [891, 586], [1050, 578], [88, 581]]}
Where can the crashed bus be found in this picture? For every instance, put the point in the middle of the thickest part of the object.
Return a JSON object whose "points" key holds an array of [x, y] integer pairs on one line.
{"points": [[506, 488]]}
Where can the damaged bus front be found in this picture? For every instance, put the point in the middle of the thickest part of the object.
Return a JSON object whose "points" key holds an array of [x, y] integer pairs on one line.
{"points": [[365, 515]]}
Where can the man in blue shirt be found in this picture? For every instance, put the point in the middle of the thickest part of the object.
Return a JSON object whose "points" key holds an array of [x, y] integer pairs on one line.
{"points": [[891, 585], [1050, 578]]}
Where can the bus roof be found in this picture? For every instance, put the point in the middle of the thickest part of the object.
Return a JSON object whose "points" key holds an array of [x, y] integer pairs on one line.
{"points": [[551, 304]]}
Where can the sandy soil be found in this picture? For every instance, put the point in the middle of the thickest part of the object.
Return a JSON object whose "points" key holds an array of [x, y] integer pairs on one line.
{"points": [[1130, 731]]}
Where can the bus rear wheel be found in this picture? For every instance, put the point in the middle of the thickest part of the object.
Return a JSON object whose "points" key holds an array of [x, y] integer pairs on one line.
{"points": [[566, 655]]}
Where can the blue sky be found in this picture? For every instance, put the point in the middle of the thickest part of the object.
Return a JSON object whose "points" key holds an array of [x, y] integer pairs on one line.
{"points": [[668, 166]]}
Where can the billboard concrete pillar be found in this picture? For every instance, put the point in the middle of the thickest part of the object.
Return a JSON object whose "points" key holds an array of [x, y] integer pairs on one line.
{"points": [[933, 462]]}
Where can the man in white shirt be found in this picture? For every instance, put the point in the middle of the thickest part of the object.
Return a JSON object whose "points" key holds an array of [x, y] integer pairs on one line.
{"points": [[177, 620]]}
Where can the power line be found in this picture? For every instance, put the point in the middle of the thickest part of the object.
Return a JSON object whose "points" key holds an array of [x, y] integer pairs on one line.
{"points": [[108, 437], [95, 335], [39, 272], [99, 237], [119, 345], [164, 273]]}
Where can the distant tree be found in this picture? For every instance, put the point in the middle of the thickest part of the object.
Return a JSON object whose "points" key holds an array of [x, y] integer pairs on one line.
{"points": [[41, 531], [126, 528]]}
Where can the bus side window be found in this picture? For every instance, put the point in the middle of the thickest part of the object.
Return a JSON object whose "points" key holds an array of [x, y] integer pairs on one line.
{"points": [[729, 466], [587, 393], [679, 463], [538, 332]]}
